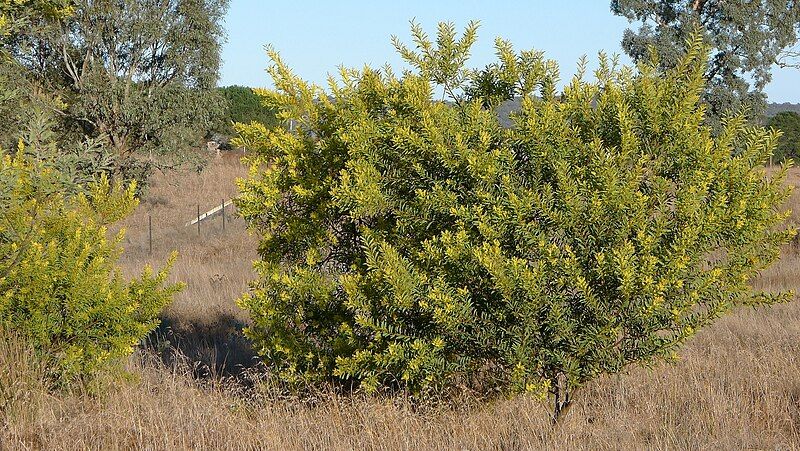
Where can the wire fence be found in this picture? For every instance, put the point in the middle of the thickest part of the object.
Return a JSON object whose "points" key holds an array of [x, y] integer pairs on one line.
{"points": [[218, 219]]}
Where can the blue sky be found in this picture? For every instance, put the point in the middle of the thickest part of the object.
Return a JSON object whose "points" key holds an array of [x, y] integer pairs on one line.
{"points": [[315, 37]]}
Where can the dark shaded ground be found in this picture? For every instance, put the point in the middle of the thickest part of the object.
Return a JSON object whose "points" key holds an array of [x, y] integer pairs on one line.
{"points": [[214, 350]]}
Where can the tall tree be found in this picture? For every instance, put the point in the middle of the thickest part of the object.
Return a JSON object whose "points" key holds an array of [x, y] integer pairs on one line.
{"points": [[30, 112], [746, 38], [139, 73]]}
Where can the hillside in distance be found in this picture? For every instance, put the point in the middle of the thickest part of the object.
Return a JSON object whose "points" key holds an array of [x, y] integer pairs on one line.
{"points": [[775, 108]]}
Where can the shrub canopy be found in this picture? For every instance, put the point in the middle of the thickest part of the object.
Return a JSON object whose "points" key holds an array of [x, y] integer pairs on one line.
{"points": [[242, 104], [409, 242], [60, 287], [788, 122]]}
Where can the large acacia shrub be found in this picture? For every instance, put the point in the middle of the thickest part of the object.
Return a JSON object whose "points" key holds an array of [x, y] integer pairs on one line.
{"points": [[61, 290], [409, 242]]}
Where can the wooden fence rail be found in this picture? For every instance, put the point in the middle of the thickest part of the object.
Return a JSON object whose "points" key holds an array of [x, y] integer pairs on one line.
{"points": [[219, 209]]}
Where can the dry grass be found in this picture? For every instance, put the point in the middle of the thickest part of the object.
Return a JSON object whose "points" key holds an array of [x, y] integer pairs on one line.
{"points": [[216, 264], [735, 388], [736, 385]]}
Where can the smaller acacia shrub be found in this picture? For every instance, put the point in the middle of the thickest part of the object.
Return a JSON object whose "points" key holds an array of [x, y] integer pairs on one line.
{"points": [[414, 243], [60, 288]]}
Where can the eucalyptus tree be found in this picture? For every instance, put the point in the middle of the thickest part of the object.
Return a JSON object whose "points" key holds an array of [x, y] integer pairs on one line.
{"points": [[747, 38], [140, 74]]}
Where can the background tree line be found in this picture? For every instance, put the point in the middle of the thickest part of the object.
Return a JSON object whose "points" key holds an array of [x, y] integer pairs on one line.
{"points": [[120, 86], [130, 85]]}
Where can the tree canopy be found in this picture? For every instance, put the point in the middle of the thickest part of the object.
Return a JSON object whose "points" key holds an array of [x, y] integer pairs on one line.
{"points": [[746, 39], [243, 105], [139, 75]]}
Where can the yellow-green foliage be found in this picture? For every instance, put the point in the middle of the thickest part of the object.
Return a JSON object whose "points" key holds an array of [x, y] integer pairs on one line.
{"points": [[60, 287], [417, 243], [15, 15]]}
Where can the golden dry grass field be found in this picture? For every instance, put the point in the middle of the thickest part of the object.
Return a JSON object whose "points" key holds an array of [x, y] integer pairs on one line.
{"points": [[736, 386]]}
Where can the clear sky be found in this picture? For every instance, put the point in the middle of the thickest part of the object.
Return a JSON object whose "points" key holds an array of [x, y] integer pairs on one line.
{"points": [[315, 37]]}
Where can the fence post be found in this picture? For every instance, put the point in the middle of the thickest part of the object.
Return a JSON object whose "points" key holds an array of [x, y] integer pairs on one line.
{"points": [[198, 219], [150, 234], [223, 215]]}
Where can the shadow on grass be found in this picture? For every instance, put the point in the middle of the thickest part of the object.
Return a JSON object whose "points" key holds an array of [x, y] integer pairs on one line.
{"points": [[215, 350]]}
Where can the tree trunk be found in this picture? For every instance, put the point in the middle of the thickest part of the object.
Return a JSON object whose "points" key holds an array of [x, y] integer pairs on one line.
{"points": [[563, 400]]}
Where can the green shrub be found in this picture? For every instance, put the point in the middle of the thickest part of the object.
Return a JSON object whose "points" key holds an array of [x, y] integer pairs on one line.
{"points": [[413, 243], [788, 122], [243, 105], [60, 288]]}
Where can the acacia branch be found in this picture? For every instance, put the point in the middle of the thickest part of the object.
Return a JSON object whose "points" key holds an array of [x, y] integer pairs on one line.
{"points": [[23, 248]]}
